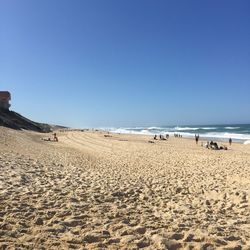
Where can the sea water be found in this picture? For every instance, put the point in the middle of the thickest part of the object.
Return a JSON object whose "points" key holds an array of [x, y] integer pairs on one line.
{"points": [[239, 132]]}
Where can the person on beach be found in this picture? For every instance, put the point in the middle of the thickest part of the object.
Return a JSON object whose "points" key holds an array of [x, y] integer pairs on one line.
{"points": [[215, 146], [55, 137], [196, 138], [162, 138], [230, 141], [155, 137]]}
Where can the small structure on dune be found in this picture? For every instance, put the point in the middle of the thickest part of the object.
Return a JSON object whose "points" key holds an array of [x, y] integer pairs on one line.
{"points": [[5, 98]]}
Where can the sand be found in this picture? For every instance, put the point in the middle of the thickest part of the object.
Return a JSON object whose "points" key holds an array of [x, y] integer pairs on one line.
{"points": [[89, 191]]}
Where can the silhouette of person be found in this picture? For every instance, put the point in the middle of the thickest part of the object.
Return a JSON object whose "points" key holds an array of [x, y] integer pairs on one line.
{"points": [[196, 139]]}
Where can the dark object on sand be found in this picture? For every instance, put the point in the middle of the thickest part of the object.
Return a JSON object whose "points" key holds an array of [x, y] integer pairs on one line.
{"points": [[46, 139], [107, 135]]}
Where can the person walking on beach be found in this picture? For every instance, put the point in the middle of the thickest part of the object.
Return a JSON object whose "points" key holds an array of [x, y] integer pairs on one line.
{"points": [[230, 141]]}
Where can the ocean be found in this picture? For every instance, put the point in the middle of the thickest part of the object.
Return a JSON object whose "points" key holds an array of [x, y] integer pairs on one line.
{"points": [[238, 133]]}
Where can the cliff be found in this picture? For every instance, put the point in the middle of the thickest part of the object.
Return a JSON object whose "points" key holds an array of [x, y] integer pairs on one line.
{"points": [[14, 120]]}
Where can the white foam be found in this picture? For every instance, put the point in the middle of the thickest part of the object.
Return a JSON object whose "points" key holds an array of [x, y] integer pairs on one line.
{"points": [[184, 128], [208, 128], [247, 142], [193, 128], [219, 135], [126, 131], [156, 128], [232, 127]]}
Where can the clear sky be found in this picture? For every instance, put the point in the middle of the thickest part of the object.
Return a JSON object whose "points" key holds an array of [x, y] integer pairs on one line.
{"points": [[95, 63]]}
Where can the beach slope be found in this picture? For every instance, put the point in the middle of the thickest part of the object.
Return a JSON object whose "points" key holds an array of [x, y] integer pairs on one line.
{"points": [[97, 191]]}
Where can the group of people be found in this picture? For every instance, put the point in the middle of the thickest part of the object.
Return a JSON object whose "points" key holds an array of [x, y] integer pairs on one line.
{"points": [[178, 135], [55, 138], [208, 144], [214, 145], [161, 137]]}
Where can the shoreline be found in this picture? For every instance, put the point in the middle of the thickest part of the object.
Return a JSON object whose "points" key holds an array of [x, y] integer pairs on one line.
{"points": [[238, 133], [203, 139]]}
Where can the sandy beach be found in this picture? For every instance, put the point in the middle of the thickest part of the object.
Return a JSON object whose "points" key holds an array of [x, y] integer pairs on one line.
{"points": [[90, 191]]}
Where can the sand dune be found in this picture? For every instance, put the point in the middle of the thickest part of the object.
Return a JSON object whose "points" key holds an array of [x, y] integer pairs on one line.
{"points": [[121, 192]]}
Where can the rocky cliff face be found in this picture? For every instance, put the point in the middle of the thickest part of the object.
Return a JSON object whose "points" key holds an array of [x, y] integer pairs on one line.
{"points": [[14, 120]]}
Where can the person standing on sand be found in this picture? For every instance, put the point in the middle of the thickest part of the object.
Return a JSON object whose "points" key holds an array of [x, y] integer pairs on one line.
{"points": [[196, 138], [230, 141]]}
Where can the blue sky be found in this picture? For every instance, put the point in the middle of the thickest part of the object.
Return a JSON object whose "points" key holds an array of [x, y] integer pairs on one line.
{"points": [[127, 63]]}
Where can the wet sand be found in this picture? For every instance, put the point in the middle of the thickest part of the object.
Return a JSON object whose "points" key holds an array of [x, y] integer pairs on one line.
{"points": [[89, 191]]}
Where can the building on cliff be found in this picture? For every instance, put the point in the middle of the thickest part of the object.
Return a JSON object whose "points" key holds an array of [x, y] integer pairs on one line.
{"points": [[5, 98]]}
